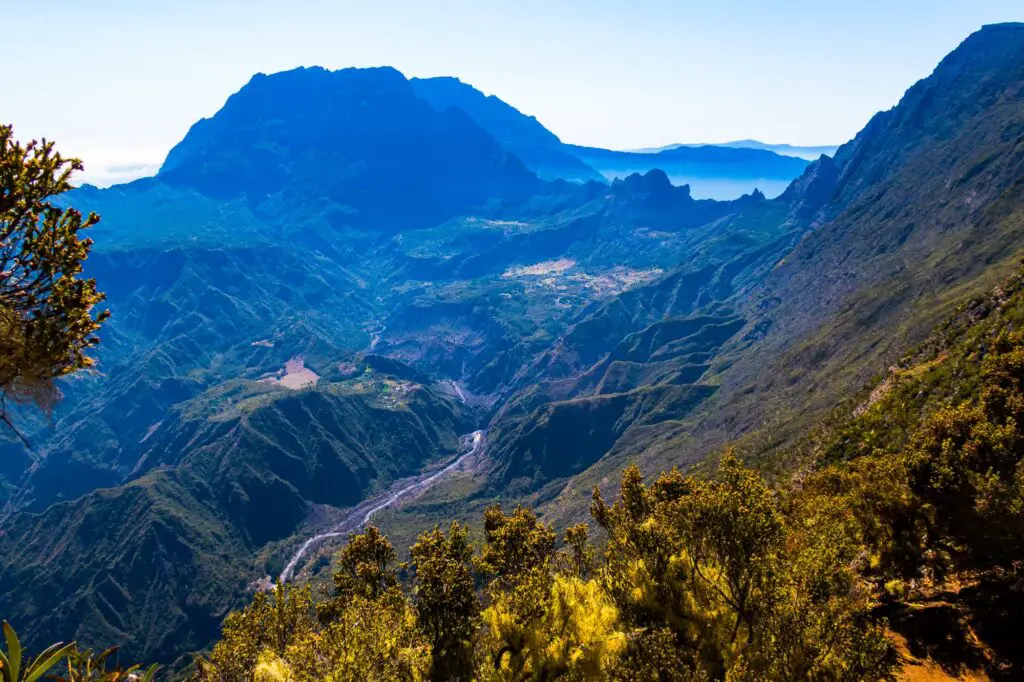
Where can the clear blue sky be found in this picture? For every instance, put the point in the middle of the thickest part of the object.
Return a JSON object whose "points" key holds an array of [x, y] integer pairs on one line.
{"points": [[132, 75]]}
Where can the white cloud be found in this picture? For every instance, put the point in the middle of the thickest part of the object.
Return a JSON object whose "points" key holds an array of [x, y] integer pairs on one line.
{"points": [[115, 167]]}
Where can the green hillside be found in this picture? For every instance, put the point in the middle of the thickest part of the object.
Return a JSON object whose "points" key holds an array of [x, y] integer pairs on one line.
{"points": [[346, 300]]}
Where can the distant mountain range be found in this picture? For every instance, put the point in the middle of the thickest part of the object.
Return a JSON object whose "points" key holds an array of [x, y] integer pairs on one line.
{"points": [[717, 172], [341, 273], [810, 153], [712, 172]]}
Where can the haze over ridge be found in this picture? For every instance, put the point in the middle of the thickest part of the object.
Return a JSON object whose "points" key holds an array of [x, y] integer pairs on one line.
{"points": [[592, 72]]}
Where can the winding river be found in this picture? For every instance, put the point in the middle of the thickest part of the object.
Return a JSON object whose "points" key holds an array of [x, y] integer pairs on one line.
{"points": [[360, 515]]}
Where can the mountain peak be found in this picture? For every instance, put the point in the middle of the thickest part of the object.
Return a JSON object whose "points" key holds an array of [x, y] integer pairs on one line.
{"points": [[356, 137], [981, 79], [381, 73], [654, 181]]}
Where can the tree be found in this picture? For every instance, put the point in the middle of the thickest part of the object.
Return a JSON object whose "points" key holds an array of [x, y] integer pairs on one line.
{"points": [[579, 561], [265, 628], [367, 631], [365, 565], [368, 639], [718, 583], [47, 322], [447, 609], [515, 545]]}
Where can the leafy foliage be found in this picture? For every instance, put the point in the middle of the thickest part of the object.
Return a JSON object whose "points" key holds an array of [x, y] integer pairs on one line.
{"points": [[365, 566], [715, 568], [11, 661], [47, 323], [551, 627], [267, 627], [78, 666], [516, 545], [368, 640], [88, 666], [932, 472], [447, 610], [700, 579], [366, 630]]}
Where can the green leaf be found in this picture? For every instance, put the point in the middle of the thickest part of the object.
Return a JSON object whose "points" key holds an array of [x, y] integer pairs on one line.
{"points": [[47, 660], [150, 672], [13, 662]]}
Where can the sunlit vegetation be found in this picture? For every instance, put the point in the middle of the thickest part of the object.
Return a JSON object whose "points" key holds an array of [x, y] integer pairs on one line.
{"points": [[890, 534], [697, 578]]}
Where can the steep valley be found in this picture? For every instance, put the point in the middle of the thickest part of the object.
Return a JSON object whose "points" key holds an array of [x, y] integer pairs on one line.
{"points": [[421, 263]]}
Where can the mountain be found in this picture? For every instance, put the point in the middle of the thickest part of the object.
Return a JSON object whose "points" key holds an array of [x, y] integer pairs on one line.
{"points": [[501, 293], [156, 562], [810, 153], [921, 211], [523, 135], [356, 137], [714, 172], [718, 172], [332, 281], [285, 338]]}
